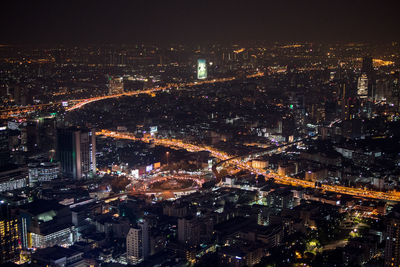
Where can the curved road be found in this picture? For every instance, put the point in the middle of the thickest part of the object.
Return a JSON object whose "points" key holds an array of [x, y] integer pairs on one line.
{"points": [[214, 167], [174, 143], [78, 103]]}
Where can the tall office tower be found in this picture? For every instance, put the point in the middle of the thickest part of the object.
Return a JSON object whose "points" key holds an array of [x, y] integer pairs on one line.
{"points": [[395, 88], [137, 243], [4, 149], [367, 68], [32, 136], [201, 69], [392, 248], [291, 75], [144, 226], [47, 134], [115, 85], [88, 152], [347, 100], [362, 86], [344, 92], [76, 151], [9, 235]]}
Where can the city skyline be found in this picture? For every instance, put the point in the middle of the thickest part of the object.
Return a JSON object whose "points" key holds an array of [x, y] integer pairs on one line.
{"points": [[199, 133]]}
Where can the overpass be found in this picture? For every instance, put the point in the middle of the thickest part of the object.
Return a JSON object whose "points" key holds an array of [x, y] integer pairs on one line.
{"points": [[74, 104], [252, 155], [224, 157]]}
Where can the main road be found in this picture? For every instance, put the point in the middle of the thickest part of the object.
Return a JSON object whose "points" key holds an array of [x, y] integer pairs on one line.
{"points": [[79, 103], [242, 164]]}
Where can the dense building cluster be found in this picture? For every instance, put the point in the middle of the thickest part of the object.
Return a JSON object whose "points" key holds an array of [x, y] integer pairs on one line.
{"points": [[248, 154]]}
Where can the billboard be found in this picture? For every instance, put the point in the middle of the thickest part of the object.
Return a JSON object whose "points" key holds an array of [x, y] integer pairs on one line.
{"points": [[153, 129], [201, 69], [12, 125], [135, 173], [149, 168], [157, 165]]}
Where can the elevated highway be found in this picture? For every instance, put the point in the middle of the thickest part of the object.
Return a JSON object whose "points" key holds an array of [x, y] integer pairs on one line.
{"points": [[269, 174]]}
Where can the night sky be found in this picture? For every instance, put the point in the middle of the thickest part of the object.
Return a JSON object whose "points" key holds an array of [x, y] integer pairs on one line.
{"points": [[35, 21]]}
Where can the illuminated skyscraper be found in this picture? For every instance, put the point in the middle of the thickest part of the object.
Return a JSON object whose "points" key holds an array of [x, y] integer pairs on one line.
{"points": [[76, 151], [367, 71], [9, 235], [201, 69], [362, 86], [395, 87]]}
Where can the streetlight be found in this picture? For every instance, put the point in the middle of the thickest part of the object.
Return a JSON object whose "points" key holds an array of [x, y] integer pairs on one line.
{"points": [[167, 153]]}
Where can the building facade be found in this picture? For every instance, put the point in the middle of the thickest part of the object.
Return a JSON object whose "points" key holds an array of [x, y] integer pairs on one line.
{"points": [[43, 172], [392, 247], [9, 235], [13, 178], [76, 151], [137, 243]]}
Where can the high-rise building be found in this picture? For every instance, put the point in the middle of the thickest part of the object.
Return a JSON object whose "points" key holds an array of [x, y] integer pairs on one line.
{"points": [[40, 134], [76, 151], [201, 69], [395, 88], [138, 243], [367, 69], [362, 86], [392, 248], [347, 101], [144, 226], [188, 231], [367, 65], [4, 149], [9, 234], [134, 246], [344, 102]]}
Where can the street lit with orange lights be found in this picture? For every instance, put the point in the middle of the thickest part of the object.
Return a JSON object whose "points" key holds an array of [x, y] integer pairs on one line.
{"points": [[242, 164], [79, 103], [200, 134]]}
